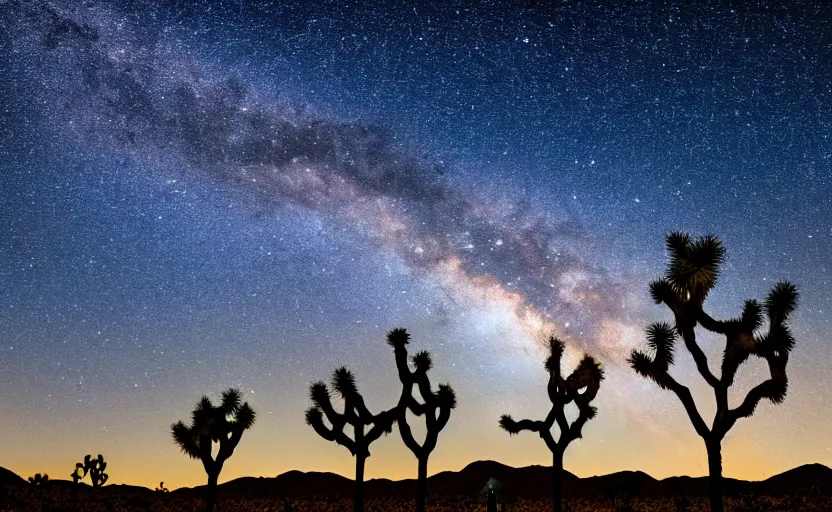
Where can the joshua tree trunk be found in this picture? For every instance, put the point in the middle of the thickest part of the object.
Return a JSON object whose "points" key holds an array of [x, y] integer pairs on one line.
{"points": [[422, 484], [359, 483], [557, 480], [715, 474], [211, 491]]}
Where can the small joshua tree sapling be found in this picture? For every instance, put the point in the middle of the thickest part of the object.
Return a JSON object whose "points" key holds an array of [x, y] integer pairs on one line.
{"points": [[587, 377], [223, 424], [435, 406], [38, 480], [356, 415], [94, 468]]}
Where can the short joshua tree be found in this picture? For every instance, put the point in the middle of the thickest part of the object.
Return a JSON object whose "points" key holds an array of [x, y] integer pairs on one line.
{"points": [[691, 274], [587, 377], [39, 480], [435, 406], [356, 415], [92, 467], [223, 424]]}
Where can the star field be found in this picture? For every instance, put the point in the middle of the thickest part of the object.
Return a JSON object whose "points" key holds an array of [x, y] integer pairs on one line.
{"points": [[212, 194]]}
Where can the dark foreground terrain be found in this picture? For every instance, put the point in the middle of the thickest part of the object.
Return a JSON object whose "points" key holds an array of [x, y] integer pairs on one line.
{"points": [[806, 488], [61, 500]]}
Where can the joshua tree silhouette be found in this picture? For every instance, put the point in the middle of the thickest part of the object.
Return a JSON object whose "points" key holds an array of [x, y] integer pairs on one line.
{"points": [[39, 480], [587, 377], [691, 274], [356, 415], [94, 467], [223, 424], [436, 406]]}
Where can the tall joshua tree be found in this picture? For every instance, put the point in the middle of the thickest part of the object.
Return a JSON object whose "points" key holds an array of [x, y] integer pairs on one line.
{"points": [[691, 273], [223, 424], [587, 377], [435, 406], [356, 415]]}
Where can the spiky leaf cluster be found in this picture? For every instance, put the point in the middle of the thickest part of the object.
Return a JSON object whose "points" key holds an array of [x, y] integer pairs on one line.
{"points": [[694, 265], [556, 348], [398, 338], [422, 362], [223, 423], [661, 338]]}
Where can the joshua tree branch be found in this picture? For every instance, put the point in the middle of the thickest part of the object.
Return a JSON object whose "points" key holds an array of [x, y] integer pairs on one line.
{"points": [[690, 406], [514, 427], [407, 435], [400, 354], [415, 407], [556, 414], [205, 447], [574, 431], [711, 324], [773, 389], [553, 445], [324, 404], [698, 356], [552, 388], [184, 437], [444, 416], [423, 383], [738, 346], [227, 445], [382, 423], [315, 420], [364, 414]]}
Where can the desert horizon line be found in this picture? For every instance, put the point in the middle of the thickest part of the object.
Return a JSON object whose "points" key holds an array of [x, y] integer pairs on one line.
{"points": [[430, 475]]}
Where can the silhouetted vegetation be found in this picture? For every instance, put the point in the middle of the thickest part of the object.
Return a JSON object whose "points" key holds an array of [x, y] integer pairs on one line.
{"points": [[92, 467], [587, 377], [223, 424], [356, 415], [691, 274], [435, 406], [38, 479]]}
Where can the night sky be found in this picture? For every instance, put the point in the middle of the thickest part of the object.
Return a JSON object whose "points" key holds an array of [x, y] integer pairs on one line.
{"points": [[197, 195]]}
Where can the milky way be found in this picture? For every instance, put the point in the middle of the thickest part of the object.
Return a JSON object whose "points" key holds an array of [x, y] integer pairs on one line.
{"points": [[490, 173], [148, 103]]}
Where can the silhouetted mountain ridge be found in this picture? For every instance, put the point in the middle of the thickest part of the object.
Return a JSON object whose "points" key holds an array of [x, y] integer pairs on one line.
{"points": [[10, 478], [528, 482]]}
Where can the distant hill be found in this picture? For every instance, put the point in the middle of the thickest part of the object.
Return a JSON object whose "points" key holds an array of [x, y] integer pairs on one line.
{"points": [[10, 478], [528, 482], [800, 480]]}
